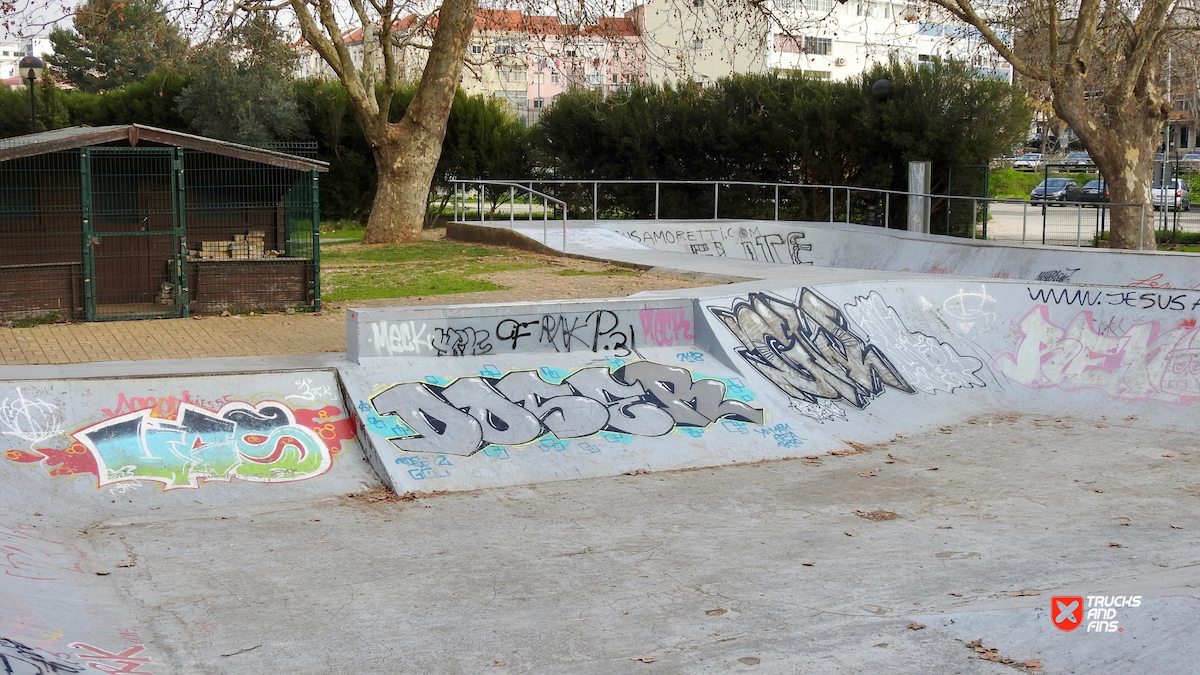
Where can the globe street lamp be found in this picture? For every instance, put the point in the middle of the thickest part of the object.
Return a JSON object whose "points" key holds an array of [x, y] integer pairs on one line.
{"points": [[881, 90], [31, 68]]}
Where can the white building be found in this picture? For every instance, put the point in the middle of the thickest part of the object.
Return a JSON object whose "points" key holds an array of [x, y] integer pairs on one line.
{"points": [[824, 39]]}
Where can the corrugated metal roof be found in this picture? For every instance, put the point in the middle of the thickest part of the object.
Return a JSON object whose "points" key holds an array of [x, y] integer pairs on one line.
{"points": [[132, 134]]}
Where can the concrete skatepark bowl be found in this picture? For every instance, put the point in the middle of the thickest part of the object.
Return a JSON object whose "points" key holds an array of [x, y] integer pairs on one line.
{"points": [[859, 451]]}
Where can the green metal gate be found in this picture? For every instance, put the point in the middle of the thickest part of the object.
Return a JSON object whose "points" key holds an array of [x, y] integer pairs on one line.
{"points": [[134, 251]]}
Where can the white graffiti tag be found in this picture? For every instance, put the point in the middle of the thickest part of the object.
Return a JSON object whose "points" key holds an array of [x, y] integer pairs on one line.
{"points": [[927, 364], [32, 421], [969, 309]]}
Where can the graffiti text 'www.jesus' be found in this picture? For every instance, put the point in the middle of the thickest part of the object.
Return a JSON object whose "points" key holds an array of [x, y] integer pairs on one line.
{"points": [[641, 399]]}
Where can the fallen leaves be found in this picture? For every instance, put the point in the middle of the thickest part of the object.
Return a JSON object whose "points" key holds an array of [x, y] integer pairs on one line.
{"points": [[101, 573], [916, 626], [957, 595], [932, 468], [1113, 544], [877, 515], [1131, 417], [945, 527], [636, 472], [1176, 527], [1101, 426], [715, 612], [868, 474], [498, 664], [1021, 594], [1168, 455], [808, 564], [643, 659], [993, 654], [1101, 491], [945, 430], [126, 564], [855, 534]]}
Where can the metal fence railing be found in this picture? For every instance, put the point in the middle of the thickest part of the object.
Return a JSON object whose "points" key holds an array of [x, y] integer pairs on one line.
{"points": [[1066, 222], [514, 192]]}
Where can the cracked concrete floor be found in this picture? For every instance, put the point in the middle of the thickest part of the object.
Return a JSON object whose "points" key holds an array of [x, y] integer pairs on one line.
{"points": [[760, 568]]}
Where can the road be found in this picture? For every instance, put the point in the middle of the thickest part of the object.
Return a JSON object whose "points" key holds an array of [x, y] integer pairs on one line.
{"points": [[1008, 220]]}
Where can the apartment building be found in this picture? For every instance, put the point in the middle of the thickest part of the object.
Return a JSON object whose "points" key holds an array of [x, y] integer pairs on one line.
{"points": [[16, 47], [706, 40], [523, 60]]}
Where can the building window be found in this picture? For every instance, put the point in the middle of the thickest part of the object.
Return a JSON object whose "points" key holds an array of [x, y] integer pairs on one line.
{"points": [[818, 74], [537, 104], [821, 46], [538, 78], [813, 6], [554, 78], [697, 44], [698, 3], [476, 48], [1183, 137], [614, 78]]}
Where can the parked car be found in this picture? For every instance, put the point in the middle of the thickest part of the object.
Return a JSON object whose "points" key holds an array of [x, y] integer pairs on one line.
{"points": [[1094, 192], [1030, 161], [1176, 195], [1055, 190], [1078, 159], [1190, 162]]}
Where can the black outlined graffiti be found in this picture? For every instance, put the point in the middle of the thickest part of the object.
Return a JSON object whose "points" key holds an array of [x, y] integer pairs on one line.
{"points": [[598, 331], [808, 350], [20, 659], [795, 247], [460, 342], [717, 248], [1057, 276], [928, 364], [641, 399]]}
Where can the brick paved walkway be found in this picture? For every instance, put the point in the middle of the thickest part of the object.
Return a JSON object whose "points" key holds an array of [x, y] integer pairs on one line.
{"points": [[281, 334]]}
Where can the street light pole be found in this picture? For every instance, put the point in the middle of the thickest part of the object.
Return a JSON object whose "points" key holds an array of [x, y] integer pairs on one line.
{"points": [[31, 68]]}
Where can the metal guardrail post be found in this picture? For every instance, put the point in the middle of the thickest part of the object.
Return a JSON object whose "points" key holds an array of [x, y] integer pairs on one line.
{"points": [[595, 202], [545, 221], [564, 207], [974, 215], [1024, 219], [482, 192], [716, 199], [456, 201], [512, 207], [887, 209], [831, 203], [1078, 225], [847, 206], [776, 202], [1142, 229], [531, 202], [656, 200]]}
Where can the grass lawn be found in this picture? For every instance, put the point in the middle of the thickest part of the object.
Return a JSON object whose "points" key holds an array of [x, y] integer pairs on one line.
{"points": [[351, 271]]}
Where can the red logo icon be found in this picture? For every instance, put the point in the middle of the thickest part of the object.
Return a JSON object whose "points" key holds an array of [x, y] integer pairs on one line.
{"points": [[1066, 611]]}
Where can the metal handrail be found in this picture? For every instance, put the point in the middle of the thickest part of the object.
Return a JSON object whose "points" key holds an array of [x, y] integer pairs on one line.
{"points": [[512, 187], [526, 184]]}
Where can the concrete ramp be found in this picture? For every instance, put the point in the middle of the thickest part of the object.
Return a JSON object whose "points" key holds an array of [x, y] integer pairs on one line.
{"points": [[83, 458], [484, 396], [861, 247]]}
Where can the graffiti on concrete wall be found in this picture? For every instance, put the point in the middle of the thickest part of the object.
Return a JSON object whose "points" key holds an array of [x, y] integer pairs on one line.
{"points": [[790, 248], [600, 330], [810, 352], [927, 364], [182, 445], [26, 554], [639, 399], [1146, 362], [21, 658], [31, 420]]}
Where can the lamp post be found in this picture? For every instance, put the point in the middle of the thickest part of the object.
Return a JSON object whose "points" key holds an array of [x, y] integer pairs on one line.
{"points": [[31, 68]]}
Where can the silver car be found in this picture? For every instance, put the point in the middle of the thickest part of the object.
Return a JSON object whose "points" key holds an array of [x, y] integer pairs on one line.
{"points": [[1030, 161], [1176, 195]]}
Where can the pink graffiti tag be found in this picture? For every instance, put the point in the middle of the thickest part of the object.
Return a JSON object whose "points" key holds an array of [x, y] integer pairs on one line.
{"points": [[1143, 363], [666, 327], [25, 554], [126, 662]]}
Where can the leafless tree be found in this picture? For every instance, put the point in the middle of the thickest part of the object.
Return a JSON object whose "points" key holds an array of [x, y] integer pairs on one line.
{"points": [[1102, 60]]}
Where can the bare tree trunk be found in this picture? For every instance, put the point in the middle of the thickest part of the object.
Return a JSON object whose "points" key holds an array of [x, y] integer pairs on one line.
{"points": [[407, 152], [1123, 150]]}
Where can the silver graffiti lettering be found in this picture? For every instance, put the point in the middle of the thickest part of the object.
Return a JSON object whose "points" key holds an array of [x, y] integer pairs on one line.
{"points": [[641, 399], [808, 350]]}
